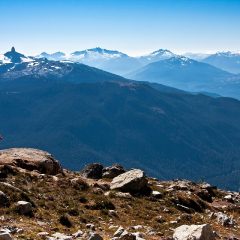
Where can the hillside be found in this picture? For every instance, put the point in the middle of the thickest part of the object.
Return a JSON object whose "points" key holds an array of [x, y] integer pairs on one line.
{"points": [[169, 135], [103, 203]]}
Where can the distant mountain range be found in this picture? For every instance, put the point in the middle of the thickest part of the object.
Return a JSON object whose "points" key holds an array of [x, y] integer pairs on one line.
{"points": [[189, 75], [109, 60], [227, 61], [82, 114], [162, 67], [120, 63]]}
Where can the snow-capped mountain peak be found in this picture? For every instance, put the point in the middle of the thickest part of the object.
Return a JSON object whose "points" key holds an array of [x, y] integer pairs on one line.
{"points": [[227, 54], [97, 53], [15, 65], [155, 56], [57, 56], [162, 52]]}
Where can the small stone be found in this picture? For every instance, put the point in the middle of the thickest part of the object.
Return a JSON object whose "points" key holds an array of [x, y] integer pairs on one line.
{"points": [[24, 208], [224, 219], [93, 171], [156, 194], [95, 236], [119, 232], [90, 226], [4, 201], [43, 235], [77, 234], [60, 236], [113, 171]]}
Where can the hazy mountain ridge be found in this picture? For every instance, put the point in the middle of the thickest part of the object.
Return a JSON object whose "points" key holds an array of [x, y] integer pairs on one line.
{"points": [[228, 61], [190, 75]]}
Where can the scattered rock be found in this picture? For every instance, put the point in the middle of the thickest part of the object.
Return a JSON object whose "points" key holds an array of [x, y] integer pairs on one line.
{"points": [[133, 181], [78, 234], [4, 201], [93, 171], [5, 235], [60, 236], [204, 195], [90, 226], [160, 219], [113, 171], [194, 232], [30, 159], [95, 236], [79, 184], [24, 208], [224, 219], [156, 194], [65, 220], [43, 235]]}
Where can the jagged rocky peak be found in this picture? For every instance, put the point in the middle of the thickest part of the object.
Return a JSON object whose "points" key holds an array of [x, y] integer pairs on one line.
{"points": [[16, 57], [13, 49]]}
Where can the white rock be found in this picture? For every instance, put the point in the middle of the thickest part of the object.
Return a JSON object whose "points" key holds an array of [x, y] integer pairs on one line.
{"points": [[131, 181], [77, 234], [156, 194], [43, 235], [194, 232], [119, 232], [60, 236], [224, 219]]}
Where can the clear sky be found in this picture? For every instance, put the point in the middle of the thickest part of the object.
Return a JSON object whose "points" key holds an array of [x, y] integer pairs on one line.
{"points": [[131, 26]]}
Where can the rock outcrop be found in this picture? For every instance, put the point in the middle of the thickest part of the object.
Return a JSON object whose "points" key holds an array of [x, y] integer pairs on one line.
{"points": [[30, 159], [133, 181]]}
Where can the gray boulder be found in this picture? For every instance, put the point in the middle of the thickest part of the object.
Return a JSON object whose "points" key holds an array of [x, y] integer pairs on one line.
{"points": [[196, 232], [133, 181]]}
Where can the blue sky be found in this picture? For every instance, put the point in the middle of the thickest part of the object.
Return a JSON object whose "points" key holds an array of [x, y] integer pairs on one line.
{"points": [[132, 26]]}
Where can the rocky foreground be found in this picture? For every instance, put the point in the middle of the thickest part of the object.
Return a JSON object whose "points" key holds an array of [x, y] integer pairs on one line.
{"points": [[41, 200]]}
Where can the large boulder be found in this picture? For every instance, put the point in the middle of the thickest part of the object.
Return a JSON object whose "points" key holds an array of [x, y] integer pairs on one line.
{"points": [[30, 159], [93, 171], [133, 181], [196, 232]]}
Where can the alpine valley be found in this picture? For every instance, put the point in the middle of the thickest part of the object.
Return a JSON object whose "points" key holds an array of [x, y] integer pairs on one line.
{"points": [[83, 114]]}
